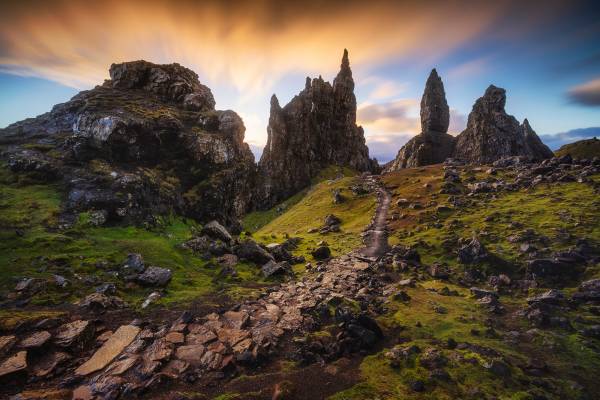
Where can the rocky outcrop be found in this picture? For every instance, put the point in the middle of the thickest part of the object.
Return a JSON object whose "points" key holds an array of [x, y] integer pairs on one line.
{"points": [[433, 145], [147, 142], [317, 128], [492, 134]]}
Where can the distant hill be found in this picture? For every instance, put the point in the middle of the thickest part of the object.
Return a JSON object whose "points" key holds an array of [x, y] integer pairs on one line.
{"points": [[588, 148]]}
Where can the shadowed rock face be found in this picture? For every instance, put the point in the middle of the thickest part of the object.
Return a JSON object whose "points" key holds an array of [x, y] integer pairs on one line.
{"points": [[148, 141], [492, 134], [535, 146], [317, 128], [433, 145]]}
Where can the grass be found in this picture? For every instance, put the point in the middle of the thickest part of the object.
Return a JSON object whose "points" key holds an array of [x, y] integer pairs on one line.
{"points": [[31, 245], [469, 379], [588, 148], [307, 211], [548, 210]]}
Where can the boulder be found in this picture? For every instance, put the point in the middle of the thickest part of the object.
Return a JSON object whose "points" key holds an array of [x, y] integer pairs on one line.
{"points": [[321, 253], [276, 268], [552, 296], [331, 220], [76, 334], [217, 231], [472, 252], [155, 276], [249, 250], [134, 264]]}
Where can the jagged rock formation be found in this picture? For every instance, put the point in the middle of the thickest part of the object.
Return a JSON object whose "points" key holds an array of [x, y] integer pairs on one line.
{"points": [[433, 145], [492, 134], [148, 141], [317, 128]]}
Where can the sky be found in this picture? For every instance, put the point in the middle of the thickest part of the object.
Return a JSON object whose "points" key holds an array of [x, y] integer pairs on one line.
{"points": [[546, 54]]}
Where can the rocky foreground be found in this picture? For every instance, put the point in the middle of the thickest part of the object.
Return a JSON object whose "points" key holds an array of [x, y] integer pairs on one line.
{"points": [[442, 314]]}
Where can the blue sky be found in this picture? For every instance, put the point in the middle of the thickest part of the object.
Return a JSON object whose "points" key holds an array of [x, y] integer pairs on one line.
{"points": [[545, 54]]}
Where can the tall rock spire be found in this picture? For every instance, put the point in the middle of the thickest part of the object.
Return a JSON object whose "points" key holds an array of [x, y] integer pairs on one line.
{"points": [[313, 131], [435, 113], [343, 81], [433, 145]]}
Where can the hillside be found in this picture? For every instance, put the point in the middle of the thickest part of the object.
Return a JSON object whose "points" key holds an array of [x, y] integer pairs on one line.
{"points": [[587, 148]]}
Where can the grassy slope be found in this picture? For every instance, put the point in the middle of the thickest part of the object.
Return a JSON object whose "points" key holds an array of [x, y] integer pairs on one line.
{"points": [[43, 250], [588, 148], [572, 207], [300, 214]]}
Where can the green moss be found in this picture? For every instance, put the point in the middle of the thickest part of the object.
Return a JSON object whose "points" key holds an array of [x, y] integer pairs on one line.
{"points": [[308, 213], [588, 148], [10, 319], [31, 245]]}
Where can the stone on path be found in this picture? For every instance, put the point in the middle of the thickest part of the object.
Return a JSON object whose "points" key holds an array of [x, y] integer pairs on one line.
{"points": [[6, 344], [76, 333], [109, 350], [48, 363], [35, 340], [16, 363]]}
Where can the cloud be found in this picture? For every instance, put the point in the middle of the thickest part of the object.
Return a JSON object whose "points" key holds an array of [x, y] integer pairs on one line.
{"points": [[246, 44], [587, 94], [555, 140], [388, 126], [458, 122], [381, 89], [469, 68], [394, 116], [385, 147]]}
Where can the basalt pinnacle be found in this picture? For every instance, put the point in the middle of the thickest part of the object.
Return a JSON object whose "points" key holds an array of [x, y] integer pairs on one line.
{"points": [[492, 134], [316, 129], [433, 145], [435, 113]]}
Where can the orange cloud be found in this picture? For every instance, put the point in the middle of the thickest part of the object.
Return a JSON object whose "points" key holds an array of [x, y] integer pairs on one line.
{"points": [[248, 45]]}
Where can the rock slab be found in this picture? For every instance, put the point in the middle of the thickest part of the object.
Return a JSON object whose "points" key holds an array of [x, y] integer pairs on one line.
{"points": [[109, 350]]}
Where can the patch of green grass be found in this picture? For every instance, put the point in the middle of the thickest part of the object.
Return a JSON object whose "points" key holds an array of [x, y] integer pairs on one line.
{"points": [[546, 209], [588, 148], [309, 213], [418, 324], [31, 245]]}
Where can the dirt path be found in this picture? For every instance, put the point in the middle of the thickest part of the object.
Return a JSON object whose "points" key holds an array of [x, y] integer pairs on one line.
{"points": [[376, 236]]}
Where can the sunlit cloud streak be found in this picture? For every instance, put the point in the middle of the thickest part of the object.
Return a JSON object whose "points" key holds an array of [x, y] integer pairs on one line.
{"points": [[246, 44], [587, 93]]}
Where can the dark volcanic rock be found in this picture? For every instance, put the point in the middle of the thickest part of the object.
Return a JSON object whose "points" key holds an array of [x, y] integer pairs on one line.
{"points": [[314, 130], [147, 142], [252, 251], [492, 134], [155, 276], [433, 145], [171, 82]]}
